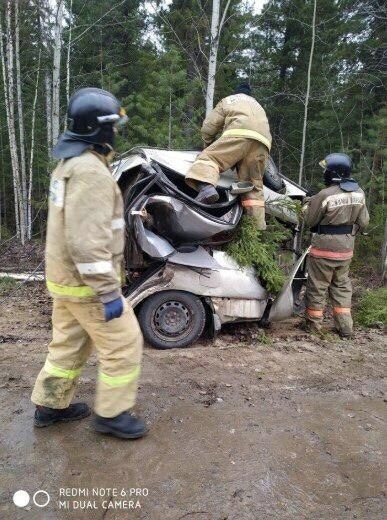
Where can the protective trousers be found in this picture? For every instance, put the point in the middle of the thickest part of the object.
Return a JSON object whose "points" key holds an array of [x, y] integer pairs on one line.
{"points": [[250, 158], [76, 328], [332, 275]]}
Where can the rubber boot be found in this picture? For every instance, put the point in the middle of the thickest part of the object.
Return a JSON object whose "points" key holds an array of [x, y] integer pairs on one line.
{"points": [[207, 194], [45, 416], [126, 426]]}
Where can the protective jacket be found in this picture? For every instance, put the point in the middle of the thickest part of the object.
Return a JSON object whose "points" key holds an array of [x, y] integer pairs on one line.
{"points": [[335, 215], [238, 115], [85, 231]]}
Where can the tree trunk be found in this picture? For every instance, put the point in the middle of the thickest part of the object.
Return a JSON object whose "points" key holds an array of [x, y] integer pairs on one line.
{"points": [[68, 58], [56, 73], [22, 151], [216, 28], [213, 56], [300, 174], [48, 87], [29, 204], [7, 58]]}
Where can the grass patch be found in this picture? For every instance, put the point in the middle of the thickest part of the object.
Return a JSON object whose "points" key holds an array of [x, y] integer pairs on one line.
{"points": [[372, 308], [7, 284], [264, 339], [260, 249]]}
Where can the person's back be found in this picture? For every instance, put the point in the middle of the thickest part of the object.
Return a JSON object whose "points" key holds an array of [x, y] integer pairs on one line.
{"points": [[242, 116], [335, 207], [334, 215], [244, 144]]}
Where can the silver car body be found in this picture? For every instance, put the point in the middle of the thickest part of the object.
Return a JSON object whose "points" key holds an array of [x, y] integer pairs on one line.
{"points": [[231, 292]]}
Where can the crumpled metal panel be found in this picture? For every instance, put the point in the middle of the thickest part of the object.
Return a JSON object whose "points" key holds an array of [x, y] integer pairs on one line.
{"points": [[180, 223], [153, 245], [234, 309], [283, 306], [222, 283], [198, 258]]}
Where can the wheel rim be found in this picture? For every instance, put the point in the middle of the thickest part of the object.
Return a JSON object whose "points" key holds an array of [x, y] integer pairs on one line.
{"points": [[172, 319]]}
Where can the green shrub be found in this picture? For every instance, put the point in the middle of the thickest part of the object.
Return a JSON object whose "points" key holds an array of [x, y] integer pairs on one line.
{"points": [[260, 249], [372, 308]]}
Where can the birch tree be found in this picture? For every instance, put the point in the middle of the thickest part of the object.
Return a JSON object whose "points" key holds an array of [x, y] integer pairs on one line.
{"points": [[308, 81], [56, 72], [22, 151], [216, 28], [7, 62], [30, 171]]}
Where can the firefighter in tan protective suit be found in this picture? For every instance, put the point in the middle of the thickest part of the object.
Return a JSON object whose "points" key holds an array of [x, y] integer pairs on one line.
{"points": [[334, 215], [245, 143], [84, 253]]}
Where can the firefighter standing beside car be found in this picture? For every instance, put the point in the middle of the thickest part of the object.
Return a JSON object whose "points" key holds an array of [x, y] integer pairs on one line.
{"points": [[245, 143], [334, 215], [84, 252]]}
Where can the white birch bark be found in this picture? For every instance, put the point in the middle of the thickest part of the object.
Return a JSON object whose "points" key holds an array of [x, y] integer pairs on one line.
{"points": [[68, 57], [56, 72], [22, 151], [30, 176], [8, 76], [170, 120], [8, 117], [216, 28], [300, 173], [48, 87]]}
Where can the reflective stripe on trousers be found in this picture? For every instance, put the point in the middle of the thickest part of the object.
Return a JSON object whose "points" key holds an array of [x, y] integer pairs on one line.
{"points": [[116, 381], [315, 313], [61, 372]]}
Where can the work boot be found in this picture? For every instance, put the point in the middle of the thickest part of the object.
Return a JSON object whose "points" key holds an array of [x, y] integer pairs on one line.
{"points": [[207, 194], [126, 426], [45, 416]]}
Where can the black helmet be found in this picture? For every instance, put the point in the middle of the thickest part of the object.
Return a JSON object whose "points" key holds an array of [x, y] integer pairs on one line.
{"points": [[91, 115], [337, 163], [337, 169], [243, 88]]}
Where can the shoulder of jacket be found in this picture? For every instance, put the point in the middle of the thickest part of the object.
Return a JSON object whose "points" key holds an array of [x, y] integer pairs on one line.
{"points": [[86, 163]]}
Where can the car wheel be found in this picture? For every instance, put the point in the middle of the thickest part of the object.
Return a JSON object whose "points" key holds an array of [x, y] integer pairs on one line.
{"points": [[172, 319], [271, 178]]}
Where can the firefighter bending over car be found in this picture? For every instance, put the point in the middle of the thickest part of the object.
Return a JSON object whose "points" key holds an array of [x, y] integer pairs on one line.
{"points": [[84, 253], [334, 215], [245, 143]]}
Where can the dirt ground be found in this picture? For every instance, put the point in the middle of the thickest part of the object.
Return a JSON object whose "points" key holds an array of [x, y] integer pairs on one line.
{"points": [[253, 425]]}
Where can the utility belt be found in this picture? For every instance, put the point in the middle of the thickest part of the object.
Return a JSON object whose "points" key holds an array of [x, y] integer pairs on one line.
{"points": [[342, 229]]}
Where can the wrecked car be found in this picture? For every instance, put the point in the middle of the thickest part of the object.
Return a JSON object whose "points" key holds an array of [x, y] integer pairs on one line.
{"points": [[179, 281]]}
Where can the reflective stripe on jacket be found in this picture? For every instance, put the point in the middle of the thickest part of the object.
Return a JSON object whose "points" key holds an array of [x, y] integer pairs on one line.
{"points": [[334, 206], [85, 231], [238, 115]]}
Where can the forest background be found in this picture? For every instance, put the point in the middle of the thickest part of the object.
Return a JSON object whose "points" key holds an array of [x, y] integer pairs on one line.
{"points": [[317, 67]]}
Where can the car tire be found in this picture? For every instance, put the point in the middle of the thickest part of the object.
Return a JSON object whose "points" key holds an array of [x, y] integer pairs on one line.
{"points": [[271, 178], [172, 319]]}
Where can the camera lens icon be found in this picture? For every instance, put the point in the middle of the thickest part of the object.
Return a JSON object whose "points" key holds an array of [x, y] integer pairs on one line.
{"points": [[40, 498], [21, 498]]}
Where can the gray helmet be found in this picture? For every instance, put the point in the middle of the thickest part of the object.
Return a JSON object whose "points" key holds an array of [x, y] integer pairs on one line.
{"points": [[91, 115], [337, 170]]}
